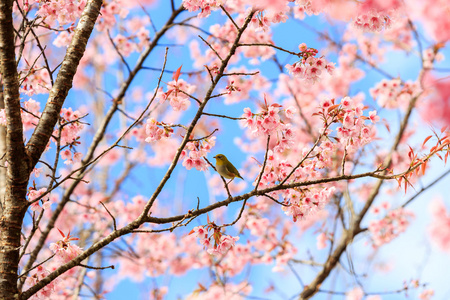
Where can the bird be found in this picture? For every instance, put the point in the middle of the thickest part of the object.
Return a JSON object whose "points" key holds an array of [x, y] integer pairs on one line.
{"points": [[225, 168]]}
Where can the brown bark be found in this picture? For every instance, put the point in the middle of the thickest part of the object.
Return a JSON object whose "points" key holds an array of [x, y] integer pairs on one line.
{"points": [[2, 153], [17, 174]]}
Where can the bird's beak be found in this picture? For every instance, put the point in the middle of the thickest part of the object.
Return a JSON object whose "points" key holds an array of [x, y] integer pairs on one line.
{"points": [[214, 157]]}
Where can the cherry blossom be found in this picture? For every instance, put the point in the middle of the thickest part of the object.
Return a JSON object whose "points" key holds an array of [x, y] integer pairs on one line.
{"points": [[439, 229], [64, 250], [310, 68], [323, 164], [387, 228]]}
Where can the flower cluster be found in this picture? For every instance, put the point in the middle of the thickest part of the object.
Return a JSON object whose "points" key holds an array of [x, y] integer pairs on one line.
{"points": [[29, 119], [197, 150], [71, 127], [353, 132], [64, 250], [206, 6], [269, 122], [426, 294], [228, 32], [155, 133], [309, 68], [301, 203], [69, 135], [69, 157], [303, 7], [439, 229], [64, 11], [216, 244], [372, 21], [393, 93], [33, 194], [176, 94], [29, 115], [430, 56], [390, 226], [47, 290], [64, 38], [108, 13], [36, 81], [128, 45], [261, 21]]}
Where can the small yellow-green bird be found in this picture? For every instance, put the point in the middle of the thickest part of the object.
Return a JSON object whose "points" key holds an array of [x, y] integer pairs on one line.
{"points": [[225, 168]]}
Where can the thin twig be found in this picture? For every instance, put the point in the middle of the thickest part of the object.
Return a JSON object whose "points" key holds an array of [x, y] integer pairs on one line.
{"points": [[222, 116], [118, 52], [109, 213], [264, 163], [211, 47], [229, 17]]}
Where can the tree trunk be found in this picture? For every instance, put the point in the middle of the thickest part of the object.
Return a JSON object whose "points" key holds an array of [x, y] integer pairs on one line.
{"points": [[18, 170]]}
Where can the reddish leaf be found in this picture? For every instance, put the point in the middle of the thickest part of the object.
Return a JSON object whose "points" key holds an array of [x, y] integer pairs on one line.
{"points": [[386, 124], [399, 180], [439, 156], [177, 74], [411, 153], [62, 232], [444, 128], [426, 140], [333, 107]]}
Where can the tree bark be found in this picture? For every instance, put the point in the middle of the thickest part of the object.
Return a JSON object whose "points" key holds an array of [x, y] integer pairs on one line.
{"points": [[2, 153], [18, 170]]}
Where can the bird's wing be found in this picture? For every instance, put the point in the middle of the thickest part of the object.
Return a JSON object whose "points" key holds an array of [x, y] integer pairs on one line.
{"points": [[232, 169]]}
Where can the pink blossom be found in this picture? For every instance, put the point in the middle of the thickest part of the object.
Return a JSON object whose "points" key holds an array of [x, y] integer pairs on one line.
{"points": [[40, 273], [194, 159], [355, 294], [33, 195], [321, 241], [64, 250], [66, 154], [206, 6], [347, 103], [426, 294], [372, 21], [394, 94], [394, 223], [200, 231], [439, 229], [37, 171], [257, 226]]}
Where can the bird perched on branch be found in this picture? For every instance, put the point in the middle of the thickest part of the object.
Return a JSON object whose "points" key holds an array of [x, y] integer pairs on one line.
{"points": [[225, 168]]}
